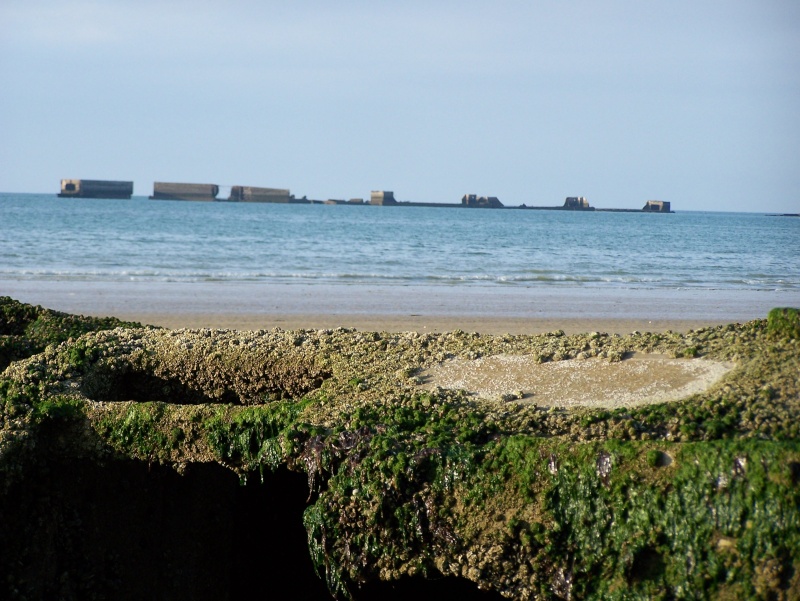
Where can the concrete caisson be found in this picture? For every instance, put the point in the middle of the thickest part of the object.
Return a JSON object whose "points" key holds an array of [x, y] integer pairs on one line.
{"points": [[657, 206], [176, 191], [95, 188], [481, 202], [253, 194], [382, 197]]}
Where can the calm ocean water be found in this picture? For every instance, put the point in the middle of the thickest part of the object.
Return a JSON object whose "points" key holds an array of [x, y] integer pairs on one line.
{"points": [[46, 238]]}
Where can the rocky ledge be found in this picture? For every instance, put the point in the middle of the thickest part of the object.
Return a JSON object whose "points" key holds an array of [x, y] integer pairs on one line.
{"points": [[139, 462]]}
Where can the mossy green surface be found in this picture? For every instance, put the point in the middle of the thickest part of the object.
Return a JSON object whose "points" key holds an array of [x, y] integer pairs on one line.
{"points": [[784, 322], [696, 499], [28, 329]]}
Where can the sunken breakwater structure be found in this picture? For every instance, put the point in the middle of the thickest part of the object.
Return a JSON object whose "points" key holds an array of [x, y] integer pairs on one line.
{"points": [[76, 188], [144, 463], [94, 188]]}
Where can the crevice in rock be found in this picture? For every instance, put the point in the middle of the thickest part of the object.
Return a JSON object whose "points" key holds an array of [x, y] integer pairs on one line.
{"points": [[270, 545], [425, 588], [128, 530], [245, 387], [143, 387]]}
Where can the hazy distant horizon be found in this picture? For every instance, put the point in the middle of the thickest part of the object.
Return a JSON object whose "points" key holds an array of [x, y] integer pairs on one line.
{"points": [[694, 103]]}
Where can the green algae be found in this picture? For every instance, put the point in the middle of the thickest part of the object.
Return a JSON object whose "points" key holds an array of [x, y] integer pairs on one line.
{"points": [[136, 432], [254, 437], [696, 499], [392, 470], [784, 322], [593, 520], [58, 408], [28, 329], [631, 535]]}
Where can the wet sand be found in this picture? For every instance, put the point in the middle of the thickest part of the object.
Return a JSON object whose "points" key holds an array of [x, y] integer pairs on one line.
{"points": [[640, 379], [484, 309], [408, 323]]}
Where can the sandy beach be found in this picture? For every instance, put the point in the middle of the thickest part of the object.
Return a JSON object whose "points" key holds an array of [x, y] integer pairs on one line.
{"points": [[416, 323], [489, 310]]}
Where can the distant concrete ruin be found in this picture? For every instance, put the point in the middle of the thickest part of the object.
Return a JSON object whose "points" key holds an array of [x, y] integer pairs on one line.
{"points": [[173, 191], [95, 188], [577, 203], [382, 197], [82, 188], [252, 194], [656, 206], [571, 203], [481, 202]]}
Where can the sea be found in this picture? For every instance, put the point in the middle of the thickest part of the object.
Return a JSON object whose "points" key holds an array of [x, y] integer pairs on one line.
{"points": [[44, 238]]}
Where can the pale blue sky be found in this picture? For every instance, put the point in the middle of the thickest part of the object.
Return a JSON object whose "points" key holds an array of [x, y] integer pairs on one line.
{"points": [[694, 102]]}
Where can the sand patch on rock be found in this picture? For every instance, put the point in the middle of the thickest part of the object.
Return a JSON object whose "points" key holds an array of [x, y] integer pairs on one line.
{"points": [[639, 380]]}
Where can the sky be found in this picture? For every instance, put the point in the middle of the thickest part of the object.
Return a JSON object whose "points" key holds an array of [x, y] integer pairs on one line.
{"points": [[696, 102]]}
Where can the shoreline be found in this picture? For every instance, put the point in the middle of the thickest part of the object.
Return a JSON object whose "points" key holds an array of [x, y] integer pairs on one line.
{"points": [[409, 323], [483, 309]]}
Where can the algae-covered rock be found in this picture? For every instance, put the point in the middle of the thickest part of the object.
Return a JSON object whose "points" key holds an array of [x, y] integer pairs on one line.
{"points": [[396, 481], [27, 329], [784, 322]]}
